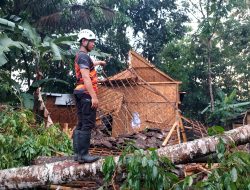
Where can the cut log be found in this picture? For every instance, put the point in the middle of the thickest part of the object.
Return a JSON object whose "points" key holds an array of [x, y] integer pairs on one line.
{"points": [[66, 171]]}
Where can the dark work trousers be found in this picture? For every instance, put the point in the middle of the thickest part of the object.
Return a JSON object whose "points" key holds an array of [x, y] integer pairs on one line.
{"points": [[86, 115]]}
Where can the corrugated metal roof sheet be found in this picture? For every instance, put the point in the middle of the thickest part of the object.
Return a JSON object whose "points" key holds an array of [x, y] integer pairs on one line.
{"points": [[65, 100], [51, 94]]}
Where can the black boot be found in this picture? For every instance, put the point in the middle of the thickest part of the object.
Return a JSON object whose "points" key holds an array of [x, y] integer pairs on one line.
{"points": [[75, 144], [83, 148]]}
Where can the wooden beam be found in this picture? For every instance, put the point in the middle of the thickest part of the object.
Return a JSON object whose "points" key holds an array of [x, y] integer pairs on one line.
{"points": [[170, 133], [177, 82]]}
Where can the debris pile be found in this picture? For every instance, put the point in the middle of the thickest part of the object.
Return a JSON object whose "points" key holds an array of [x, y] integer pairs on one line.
{"points": [[148, 138]]}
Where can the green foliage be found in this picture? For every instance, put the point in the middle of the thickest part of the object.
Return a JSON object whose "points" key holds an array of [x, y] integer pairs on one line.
{"points": [[108, 168], [215, 130], [183, 61], [159, 21], [226, 108], [21, 140], [142, 171], [5, 86], [233, 172], [5, 46], [29, 53], [10, 91], [27, 100], [139, 169]]}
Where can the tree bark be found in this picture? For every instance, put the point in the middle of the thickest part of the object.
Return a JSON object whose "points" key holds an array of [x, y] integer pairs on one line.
{"points": [[209, 41], [66, 171], [186, 152]]}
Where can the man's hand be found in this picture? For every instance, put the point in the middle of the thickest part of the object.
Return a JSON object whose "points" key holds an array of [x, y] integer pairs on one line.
{"points": [[94, 103]]}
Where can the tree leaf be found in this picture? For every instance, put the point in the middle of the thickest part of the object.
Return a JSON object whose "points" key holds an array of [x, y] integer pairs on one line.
{"points": [[57, 56], [144, 161], [28, 100], [155, 171], [215, 130], [8, 25], [234, 175], [190, 181]]}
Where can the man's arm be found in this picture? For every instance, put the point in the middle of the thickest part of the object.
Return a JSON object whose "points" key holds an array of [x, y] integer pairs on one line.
{"points": [[89, 87], [102, 63]]}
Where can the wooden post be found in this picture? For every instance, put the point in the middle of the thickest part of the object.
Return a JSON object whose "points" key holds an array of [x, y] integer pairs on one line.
{"points": [[184, 136]]}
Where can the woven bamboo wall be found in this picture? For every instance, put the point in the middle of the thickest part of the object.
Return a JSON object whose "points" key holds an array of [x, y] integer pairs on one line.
{"points": [[170, 91], [150, 75], [146, 70], [120, 123], [143, 98], [110, 100], [153, 110]]}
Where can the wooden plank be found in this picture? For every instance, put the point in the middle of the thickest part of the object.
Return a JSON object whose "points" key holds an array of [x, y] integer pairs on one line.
{"points": [[166, 82], [169, 134], [178, 134]]}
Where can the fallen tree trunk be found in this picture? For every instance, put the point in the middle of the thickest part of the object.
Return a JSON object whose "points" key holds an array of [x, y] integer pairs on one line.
{"points": [[66, 171], [186, 152]]}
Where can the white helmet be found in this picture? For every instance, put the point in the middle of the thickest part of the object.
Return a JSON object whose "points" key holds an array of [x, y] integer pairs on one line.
{"points": [[87, 34]]}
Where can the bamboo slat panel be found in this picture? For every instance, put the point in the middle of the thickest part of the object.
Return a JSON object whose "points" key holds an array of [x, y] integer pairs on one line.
{"points": [[152, 115], [140, 94], [153, 110], [121, 122], [127, 74], [168, 90], [150, 75], [137, 62], [110, 100]]}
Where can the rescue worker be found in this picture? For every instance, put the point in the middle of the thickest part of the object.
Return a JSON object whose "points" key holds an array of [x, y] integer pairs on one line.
{"points": [[85, 96]]}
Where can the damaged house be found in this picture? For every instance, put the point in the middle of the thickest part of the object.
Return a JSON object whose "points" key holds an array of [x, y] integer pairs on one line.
{"points": [[135, 99]]}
